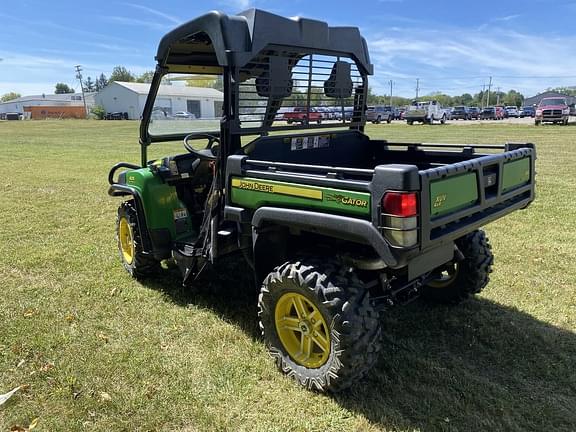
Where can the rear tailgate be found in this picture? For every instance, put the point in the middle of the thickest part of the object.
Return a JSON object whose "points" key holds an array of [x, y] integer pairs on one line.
{"points": [[460, 197]]}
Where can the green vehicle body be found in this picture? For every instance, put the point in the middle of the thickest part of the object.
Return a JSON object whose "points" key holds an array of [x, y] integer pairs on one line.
{"points": [[399, 215]]}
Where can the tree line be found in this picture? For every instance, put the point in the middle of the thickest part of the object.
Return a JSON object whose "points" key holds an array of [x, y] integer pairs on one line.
{"points": [[480, 99]]}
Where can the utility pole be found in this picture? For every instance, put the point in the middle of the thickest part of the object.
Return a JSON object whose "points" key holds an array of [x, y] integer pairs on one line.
{"points": [[482, 100], [391, 84], [417, 87], [489, 87], [79, 76]]}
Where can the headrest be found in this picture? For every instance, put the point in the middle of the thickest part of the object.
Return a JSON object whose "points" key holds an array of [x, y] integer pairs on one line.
{"points": [[339, 83], [276, 82]]}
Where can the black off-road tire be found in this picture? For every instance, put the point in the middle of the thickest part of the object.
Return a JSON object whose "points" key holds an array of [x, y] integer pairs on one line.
{"points": [[142, 265], [471, 275], [344, 302]]}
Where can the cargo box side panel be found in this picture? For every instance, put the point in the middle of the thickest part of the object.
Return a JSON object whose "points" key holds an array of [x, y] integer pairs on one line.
{"points": [[515, 174], [253, 193], [453, 194]]}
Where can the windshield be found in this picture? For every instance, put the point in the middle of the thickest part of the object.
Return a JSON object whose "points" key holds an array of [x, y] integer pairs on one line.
{"points": [[185, 104], [555, 101]]}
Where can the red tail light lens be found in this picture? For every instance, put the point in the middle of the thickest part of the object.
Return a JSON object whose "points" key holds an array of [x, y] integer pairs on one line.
{"points": [[403, 204]]}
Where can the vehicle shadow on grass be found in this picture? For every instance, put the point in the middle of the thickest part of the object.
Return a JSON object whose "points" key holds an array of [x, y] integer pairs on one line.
{"points": [[228, 290], [479, 366]]}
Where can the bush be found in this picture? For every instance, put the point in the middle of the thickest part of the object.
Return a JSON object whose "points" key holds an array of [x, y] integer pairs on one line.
{"points": [[98, 111]]}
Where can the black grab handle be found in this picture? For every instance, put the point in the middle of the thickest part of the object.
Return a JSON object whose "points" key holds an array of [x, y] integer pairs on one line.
{"points": [[120, 165]]}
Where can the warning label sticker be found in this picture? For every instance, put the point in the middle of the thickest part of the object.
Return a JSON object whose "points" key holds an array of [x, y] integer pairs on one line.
{"points": [[310, 142]]}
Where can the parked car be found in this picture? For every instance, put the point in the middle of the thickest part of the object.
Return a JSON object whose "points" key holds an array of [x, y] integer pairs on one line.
{"points": [[460, 113], [377, 114], [552, 110], [348, 111], [527, 111], [184, 115], [394, 112], [116, 116], [425, 112], [303, 115], [488, 113], [474, 113], [512, 111], [501, 112], [327, 112]]}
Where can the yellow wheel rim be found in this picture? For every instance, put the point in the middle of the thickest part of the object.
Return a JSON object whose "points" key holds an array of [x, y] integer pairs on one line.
{"points": [[446, 277], [302, 330], [126, 240]]}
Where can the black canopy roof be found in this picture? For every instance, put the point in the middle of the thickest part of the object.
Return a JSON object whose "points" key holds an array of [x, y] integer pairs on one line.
{"points": [[216, 39]]}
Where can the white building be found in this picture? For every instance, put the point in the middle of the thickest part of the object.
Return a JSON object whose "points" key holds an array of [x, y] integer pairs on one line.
{"points": [[50, 100], [130, 98]]}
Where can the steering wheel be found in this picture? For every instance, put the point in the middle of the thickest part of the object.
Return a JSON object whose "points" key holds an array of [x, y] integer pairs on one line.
{"points": [[210, 153]]}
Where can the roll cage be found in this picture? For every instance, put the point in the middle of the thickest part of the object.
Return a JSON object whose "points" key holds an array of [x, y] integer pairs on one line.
{"points": [[269, 64]]}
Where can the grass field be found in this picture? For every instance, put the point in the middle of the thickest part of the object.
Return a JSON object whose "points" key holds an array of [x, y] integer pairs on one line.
{"points": [[99, 351]]}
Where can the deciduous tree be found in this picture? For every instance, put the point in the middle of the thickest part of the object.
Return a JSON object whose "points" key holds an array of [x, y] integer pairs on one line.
{"points": [[62, 88], [9, 96]]}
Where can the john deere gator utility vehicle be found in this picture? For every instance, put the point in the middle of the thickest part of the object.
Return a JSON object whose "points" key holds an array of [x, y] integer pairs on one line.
{"points": [[336, 227]]}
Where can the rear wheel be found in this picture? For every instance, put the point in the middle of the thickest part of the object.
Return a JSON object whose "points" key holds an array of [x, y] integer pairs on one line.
{"points": [[410, 122], [319, 324], [537, 122], [458, 280], [134, 260]]}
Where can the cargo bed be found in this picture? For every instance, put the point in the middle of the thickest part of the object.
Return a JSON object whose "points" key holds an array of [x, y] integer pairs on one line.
{"points": [[460, 187]]}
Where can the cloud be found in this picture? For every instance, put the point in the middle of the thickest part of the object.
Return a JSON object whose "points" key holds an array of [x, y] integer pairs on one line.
{"points": [[153, 25], [515, 60], [506, 18], [158, 13], [240, 5]]}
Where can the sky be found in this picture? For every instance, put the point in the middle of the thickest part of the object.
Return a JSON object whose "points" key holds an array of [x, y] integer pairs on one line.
{"points": [[451, 47]]}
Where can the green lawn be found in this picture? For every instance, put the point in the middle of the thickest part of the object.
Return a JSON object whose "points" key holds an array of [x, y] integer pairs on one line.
{"points": [[99, 351]]}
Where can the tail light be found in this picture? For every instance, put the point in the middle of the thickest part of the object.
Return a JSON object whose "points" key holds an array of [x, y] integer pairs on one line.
{"points": [[400, 218]]}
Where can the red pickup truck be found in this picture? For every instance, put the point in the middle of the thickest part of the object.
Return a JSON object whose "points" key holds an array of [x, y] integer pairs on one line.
{"points": [[552, 110], [302, 115]]}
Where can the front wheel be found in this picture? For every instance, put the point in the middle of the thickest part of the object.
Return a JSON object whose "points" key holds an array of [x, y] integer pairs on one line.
{"points": [[134, 260], [443, 120], [458, 280], [410, 122], [319, 324], [537, 122]]}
